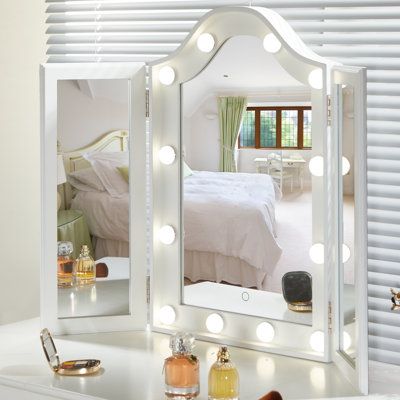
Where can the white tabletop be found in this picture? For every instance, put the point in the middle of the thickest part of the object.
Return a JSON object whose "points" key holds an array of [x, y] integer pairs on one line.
{"points": [[132, 367]]}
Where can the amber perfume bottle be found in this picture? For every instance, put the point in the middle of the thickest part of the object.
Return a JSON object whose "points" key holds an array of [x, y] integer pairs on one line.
{"points": [[84, 268], [65, 263], [182, 368], [223, 378]]}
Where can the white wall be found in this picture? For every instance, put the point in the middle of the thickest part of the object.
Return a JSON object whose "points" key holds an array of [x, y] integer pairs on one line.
{"points": [[22, 43], [84, 117]]}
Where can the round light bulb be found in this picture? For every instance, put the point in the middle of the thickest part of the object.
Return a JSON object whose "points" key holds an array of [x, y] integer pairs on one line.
{"points": [[316, 253], [205, 42], [166, 75], [317, 341], [166, 234], [316, 166], [167, 315], [346, 340], [315, 78], [345, 253], [265, 332], [345, 166], [166, 155], [214, 323], [271, 43]]}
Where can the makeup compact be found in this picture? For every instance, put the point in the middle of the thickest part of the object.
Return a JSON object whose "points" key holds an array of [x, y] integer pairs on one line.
{"points": [[73, 367]]}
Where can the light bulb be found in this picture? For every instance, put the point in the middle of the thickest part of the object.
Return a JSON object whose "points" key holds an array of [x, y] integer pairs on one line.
{"points": [[166, 155], [265, 332], [346, 341], [316, 166], [167, 315], [166, 234], [317, 341], [205, 42], [315, 78], [166, 75], [345, 253], [271, 43], [345, 166], [316, 253], [214, 323]]}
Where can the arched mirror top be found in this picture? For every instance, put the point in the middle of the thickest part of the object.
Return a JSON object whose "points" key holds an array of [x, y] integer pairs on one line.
{"points": [[218, 26]]}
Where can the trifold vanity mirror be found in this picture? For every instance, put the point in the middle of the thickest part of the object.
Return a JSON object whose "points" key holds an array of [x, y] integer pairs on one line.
{"points": [[258, 194]]}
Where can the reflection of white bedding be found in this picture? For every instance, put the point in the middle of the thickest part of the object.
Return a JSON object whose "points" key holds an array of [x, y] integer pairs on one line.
{"points": [[232, 214], [107, 217]]}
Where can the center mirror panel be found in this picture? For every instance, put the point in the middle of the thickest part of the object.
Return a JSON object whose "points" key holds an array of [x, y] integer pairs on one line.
{"points": [[247, 190], [93, 197]]}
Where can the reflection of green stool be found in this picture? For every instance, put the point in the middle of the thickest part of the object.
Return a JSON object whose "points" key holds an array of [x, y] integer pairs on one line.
{"points": [[71, 226]]}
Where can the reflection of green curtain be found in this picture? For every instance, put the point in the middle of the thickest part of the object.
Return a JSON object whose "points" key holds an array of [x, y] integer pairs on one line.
{"points": [[230, 111]]}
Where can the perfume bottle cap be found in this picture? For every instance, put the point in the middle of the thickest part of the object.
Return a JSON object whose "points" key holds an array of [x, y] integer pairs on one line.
{"points": [[64, 248], [223, 355], [181, 343], [85, 250]]}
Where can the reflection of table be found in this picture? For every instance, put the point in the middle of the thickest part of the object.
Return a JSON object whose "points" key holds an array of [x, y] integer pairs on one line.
{"points": [[108, 296], [71, 226], [287, 163]]}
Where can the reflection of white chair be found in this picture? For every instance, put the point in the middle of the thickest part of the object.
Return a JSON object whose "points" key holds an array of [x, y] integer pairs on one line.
{"points": [[277, 171]]}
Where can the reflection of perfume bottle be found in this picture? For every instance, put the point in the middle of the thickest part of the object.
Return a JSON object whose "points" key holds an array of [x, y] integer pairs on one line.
{"points": [[223, 378], [84, 268], [65, 263], [182, 368]]}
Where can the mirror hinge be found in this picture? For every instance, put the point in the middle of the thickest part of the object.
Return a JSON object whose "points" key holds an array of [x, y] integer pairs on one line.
{"points": [[330, 317], [148, 290], [329, 108], [147, 103]]}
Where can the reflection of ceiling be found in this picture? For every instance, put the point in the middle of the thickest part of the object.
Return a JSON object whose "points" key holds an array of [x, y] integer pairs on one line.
{"points": [[249, 69], [115, 90]]}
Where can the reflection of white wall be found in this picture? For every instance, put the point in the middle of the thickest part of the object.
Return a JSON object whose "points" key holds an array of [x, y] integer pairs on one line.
{"points": [[85, 115]]}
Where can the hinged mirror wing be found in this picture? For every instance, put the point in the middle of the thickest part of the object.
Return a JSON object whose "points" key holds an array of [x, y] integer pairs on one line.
{"points": [[244, 187], [93, 272]]}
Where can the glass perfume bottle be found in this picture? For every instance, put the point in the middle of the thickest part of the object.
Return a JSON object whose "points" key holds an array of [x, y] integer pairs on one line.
{"points": [[65, 264], [182, 368], [84, 268], [223, 378]]}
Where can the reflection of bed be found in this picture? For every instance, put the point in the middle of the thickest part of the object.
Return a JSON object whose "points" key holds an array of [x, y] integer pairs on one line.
{"points": [[106, 216], [229, 221]]}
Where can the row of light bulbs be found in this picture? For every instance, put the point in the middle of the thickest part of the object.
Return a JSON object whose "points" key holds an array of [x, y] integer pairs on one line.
{"points": [[265, 331], [206, 43]]}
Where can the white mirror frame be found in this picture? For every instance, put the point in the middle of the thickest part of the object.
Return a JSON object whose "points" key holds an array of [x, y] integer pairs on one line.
{"points": [[50, 74], [166, 285]]}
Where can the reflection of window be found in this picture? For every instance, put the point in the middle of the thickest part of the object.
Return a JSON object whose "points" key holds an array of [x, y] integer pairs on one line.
{"points": [[276, 127]]}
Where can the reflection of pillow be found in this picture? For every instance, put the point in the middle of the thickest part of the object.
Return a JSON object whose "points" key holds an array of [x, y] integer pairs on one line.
{"points": [[105, 165], [186, 170], [86, 180], [124, 171]]}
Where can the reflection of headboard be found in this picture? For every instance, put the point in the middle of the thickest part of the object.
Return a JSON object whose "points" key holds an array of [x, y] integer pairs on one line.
{"points": [[74, 160]]}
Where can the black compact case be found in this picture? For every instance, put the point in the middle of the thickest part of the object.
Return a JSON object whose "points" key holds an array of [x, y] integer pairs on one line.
{"points": [[297, 290]]}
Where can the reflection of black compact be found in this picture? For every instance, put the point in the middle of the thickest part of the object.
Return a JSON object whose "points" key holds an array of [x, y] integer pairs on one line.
{"points": [[297, 290], [73, 367]]}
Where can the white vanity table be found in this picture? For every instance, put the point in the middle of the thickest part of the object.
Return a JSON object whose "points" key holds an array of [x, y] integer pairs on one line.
{"points": [[132, 367]]}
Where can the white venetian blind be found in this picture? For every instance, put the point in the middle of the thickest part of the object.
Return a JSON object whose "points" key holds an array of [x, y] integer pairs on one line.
{"points": [[355, 32]]}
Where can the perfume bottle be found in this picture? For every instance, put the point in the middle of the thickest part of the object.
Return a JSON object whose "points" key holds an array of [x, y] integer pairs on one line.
{"points": [[84, 268], [65, 264], [182, 368], [223, 378]]}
